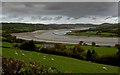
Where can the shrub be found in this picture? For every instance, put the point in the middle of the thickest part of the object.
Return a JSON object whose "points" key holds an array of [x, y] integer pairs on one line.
{"points": [[28, 45], [109, 60], [93, 44], [15, 67], [77, 48], [16, 45], [118, 47], [85, 44], [108, 46], [59, 46], [97, 46], [19, 40], [89, 55], [94, 55], [81, 43]]}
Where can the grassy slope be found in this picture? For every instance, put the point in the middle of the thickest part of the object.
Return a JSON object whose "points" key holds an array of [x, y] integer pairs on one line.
{"points": [[64, 64]]}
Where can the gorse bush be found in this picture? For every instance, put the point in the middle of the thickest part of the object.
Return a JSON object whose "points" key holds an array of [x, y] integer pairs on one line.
{"points": [[15, 67]]}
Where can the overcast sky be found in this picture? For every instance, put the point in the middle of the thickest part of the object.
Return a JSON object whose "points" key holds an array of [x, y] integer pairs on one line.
{"points": [[60, 0], [69, 9]]}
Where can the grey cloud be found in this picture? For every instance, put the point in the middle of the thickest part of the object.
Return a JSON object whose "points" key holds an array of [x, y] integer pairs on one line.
{"points": [[61, 8], [87, 8], [60, 0]]}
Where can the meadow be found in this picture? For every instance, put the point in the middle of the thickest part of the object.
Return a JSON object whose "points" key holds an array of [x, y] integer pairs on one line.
{"points": [[102, 50], [61, 63]]}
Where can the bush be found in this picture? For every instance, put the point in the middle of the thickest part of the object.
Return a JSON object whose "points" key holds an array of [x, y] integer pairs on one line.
{"points": [[80, 42], [94, 56], [60, 49], [28, 45], [59, 46], [118, 47], [16, 45], [89, 55], [19, 40], [108, 46], [85, 44], [77, 48], [97, 46], [110, 60], [9, 38], [15, 67]]}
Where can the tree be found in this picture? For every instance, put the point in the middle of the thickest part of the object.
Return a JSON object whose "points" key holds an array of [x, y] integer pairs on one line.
{"points": [[118, 47], [28, 45], [93, 44], [60, 46], [89, 55], [93, 51], [81, 42], [98, 32], [77, 48], [94, 55]]}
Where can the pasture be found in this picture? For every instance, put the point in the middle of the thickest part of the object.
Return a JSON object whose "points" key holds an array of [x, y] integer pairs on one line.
{"points": [[102, 50], [63, 64]]}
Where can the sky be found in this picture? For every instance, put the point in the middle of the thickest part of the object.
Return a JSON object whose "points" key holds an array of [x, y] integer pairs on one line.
{"points": [[60, 12], [60, 0]]}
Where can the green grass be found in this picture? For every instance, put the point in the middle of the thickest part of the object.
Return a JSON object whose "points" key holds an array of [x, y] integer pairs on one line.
{"points": [[102, 50], [38, 45], [103, 34], [7, 44], [63, 64]]}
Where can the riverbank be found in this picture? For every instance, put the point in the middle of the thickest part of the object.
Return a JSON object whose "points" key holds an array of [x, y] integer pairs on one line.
{"points": [[49, 36]]}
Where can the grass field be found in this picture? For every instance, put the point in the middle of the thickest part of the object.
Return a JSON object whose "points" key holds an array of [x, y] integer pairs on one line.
{"points": [[63, 64], [88, 33], [102, 50]]}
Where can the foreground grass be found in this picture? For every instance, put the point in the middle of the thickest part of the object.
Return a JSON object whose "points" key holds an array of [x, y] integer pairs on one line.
{"points": [[63, 64]]}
